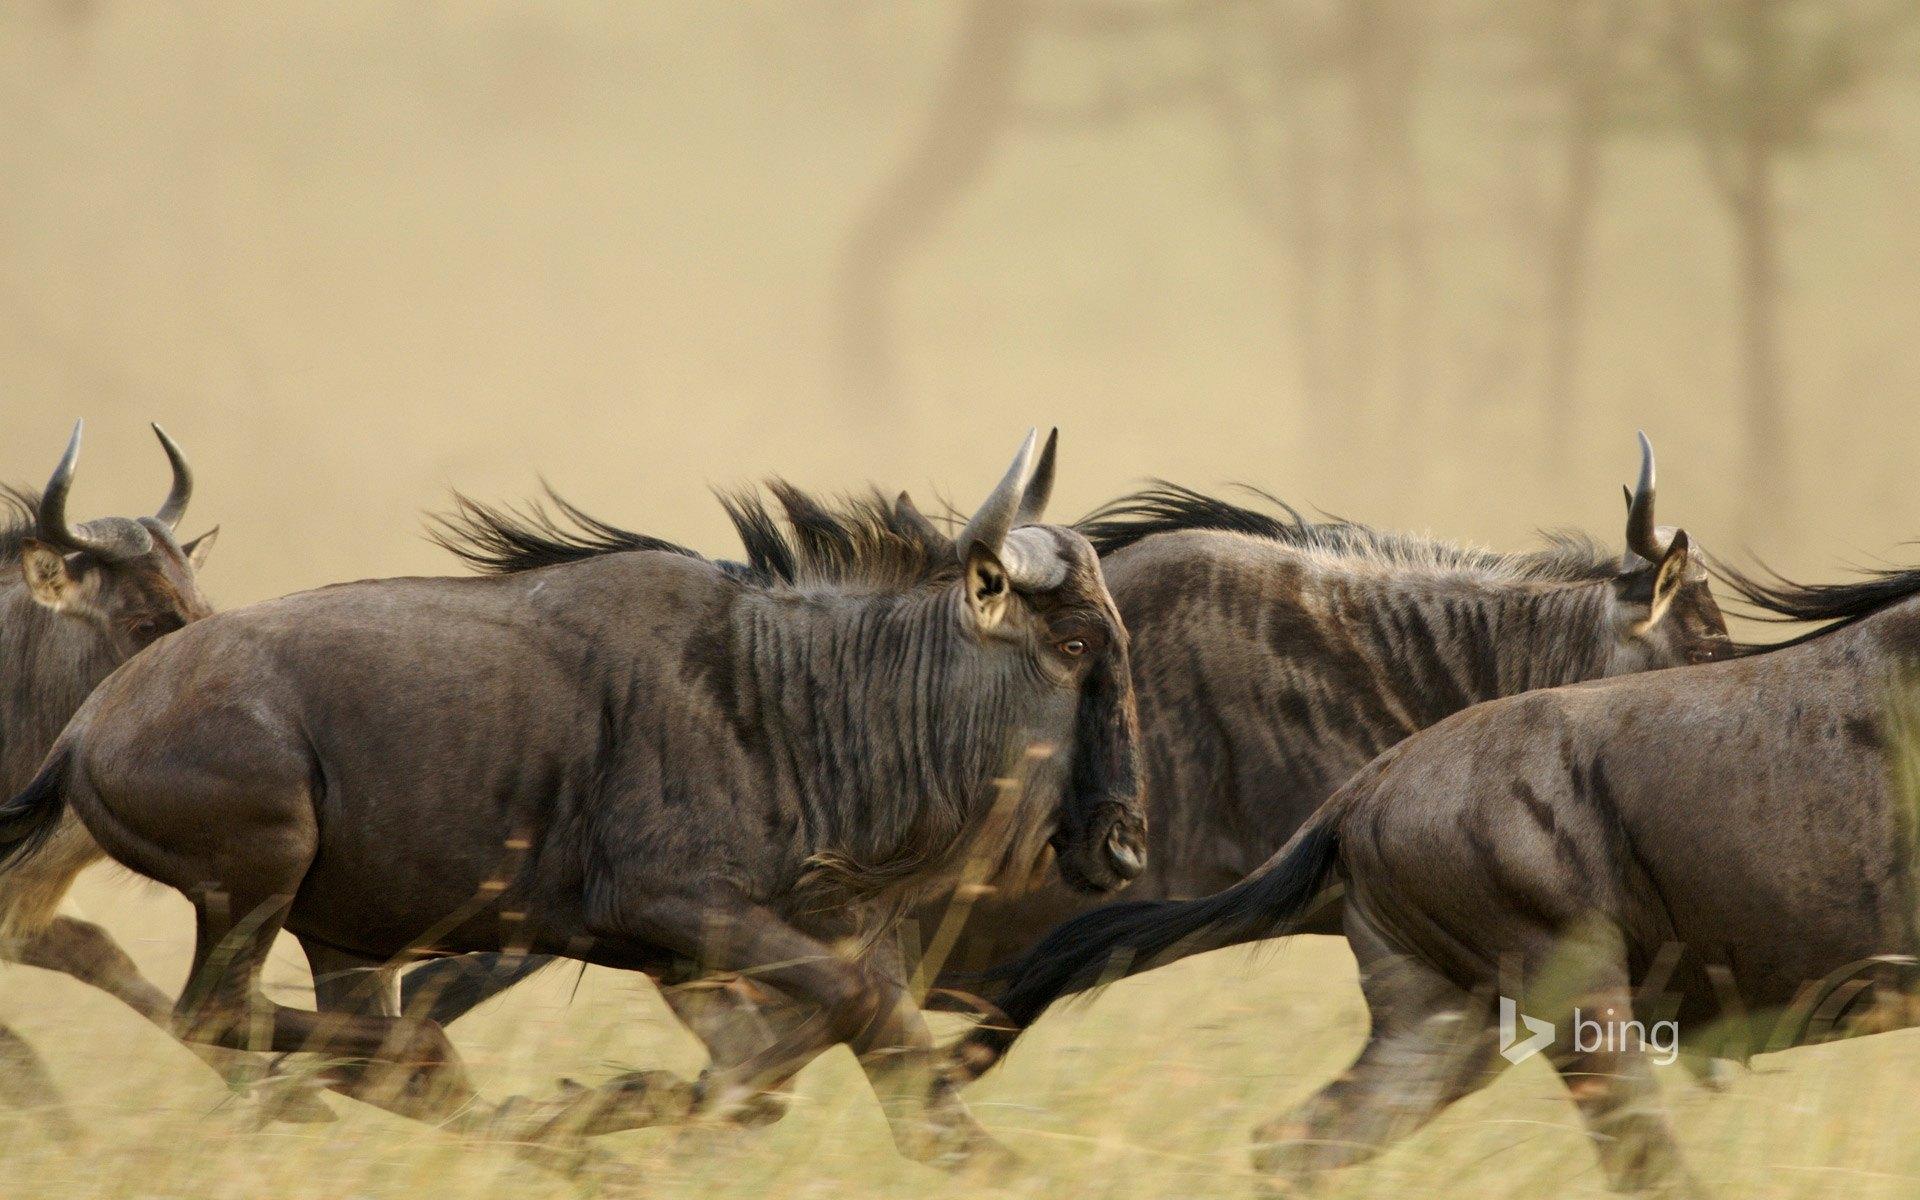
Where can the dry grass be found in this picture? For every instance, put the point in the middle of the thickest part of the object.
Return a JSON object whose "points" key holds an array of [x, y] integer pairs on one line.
{"points": [[1149, 1091]]}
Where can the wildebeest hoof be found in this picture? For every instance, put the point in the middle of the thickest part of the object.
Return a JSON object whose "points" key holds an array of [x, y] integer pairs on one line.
{"points": [[984, 1159], [733, 1105], [635, 1100], [761, 1111], [961, 1146], [632, 1101]]}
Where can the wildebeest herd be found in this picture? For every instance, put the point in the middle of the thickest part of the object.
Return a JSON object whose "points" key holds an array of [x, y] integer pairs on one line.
{"points": [[883, 751]]}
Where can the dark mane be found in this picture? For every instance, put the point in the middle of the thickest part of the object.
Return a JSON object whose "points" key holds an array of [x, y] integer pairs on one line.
{"points": [[1779, 599], [502, 541], [19, 509], [862, 540], [1169, 508]]}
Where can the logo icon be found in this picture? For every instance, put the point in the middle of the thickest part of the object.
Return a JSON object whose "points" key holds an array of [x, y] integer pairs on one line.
{"points": [[1540, 1033]]}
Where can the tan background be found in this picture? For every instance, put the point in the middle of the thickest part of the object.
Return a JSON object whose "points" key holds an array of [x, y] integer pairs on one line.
{"points": [[358, 254]]}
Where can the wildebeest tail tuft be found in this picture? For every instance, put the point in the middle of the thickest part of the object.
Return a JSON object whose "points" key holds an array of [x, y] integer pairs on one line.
{"points": [[30, 818]]}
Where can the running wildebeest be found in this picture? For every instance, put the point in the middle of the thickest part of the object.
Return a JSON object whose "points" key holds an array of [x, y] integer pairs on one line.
{"points": [[1274, 658], [1728, 847], [629, 755], [76, 602]]}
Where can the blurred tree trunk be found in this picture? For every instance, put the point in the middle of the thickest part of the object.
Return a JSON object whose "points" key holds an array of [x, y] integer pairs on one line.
{"points": [[971, 107], [1403, 66], [1745, 119], [1285, 188], [1307, 240], [1755, 208], [1586, 44], [1386, 301], [1361, 208]]}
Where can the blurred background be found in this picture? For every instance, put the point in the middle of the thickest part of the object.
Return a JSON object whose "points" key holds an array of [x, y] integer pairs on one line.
{"points": [[1423, 263], [1426, 263]]}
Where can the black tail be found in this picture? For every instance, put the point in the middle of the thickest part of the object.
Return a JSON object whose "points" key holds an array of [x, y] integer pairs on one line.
{"points": [[1135, 936], [31, 817]]}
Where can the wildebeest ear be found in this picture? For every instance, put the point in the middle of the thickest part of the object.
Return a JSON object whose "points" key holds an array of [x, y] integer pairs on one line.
{"points": [[907, 513], [1668, 577], [47, 575], [199, 548], [988, 592]]}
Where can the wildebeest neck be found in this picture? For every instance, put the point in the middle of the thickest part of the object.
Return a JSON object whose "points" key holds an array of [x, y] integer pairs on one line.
{"points": [[888, 721], [48, 664]]}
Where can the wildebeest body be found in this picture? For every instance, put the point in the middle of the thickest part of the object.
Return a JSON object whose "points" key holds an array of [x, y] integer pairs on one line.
{"points": [[1273, 658], [621, 752], [1730, 847], [520, 664], [1679, 811]]}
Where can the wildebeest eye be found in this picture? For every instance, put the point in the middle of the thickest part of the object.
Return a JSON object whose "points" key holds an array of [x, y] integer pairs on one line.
{"points": [[148, 628], [1072, 647]]}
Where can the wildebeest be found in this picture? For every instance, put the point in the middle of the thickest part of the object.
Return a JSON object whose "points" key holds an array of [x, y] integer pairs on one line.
{"points": [[1274, 657], [626, 754], [1728, 847], [75, 602]]}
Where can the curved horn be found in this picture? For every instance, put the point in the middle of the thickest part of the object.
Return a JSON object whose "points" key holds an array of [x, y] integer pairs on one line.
{"points": [[175, 505], [1033, 504], [1033, 561], [52, 517], [994, 517], [51, 521], [1642, 539]]}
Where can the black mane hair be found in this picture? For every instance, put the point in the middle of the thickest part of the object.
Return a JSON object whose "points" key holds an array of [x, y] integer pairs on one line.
{"points": [[1169, 507], [859, 540], [1839, 605], [503, 541], [862, 539]]}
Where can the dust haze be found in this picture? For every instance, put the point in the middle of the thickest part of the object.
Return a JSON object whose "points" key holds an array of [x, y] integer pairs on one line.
{"points": [[353, 256]]}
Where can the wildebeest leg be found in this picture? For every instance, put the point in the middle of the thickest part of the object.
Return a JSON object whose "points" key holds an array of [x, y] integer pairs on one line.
{"points": [[735, 1020], [419, 1073], [1431, 1043], [1620, 1103], [34, 933], [453, 987], [351, 983], [25, 1083], [863, 1004], [88, 953], [928, 1118]]}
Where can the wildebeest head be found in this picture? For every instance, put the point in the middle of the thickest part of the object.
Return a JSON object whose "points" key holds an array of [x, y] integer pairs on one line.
{"points": [[1664, 611], [1035, 591], [128, 578]]}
